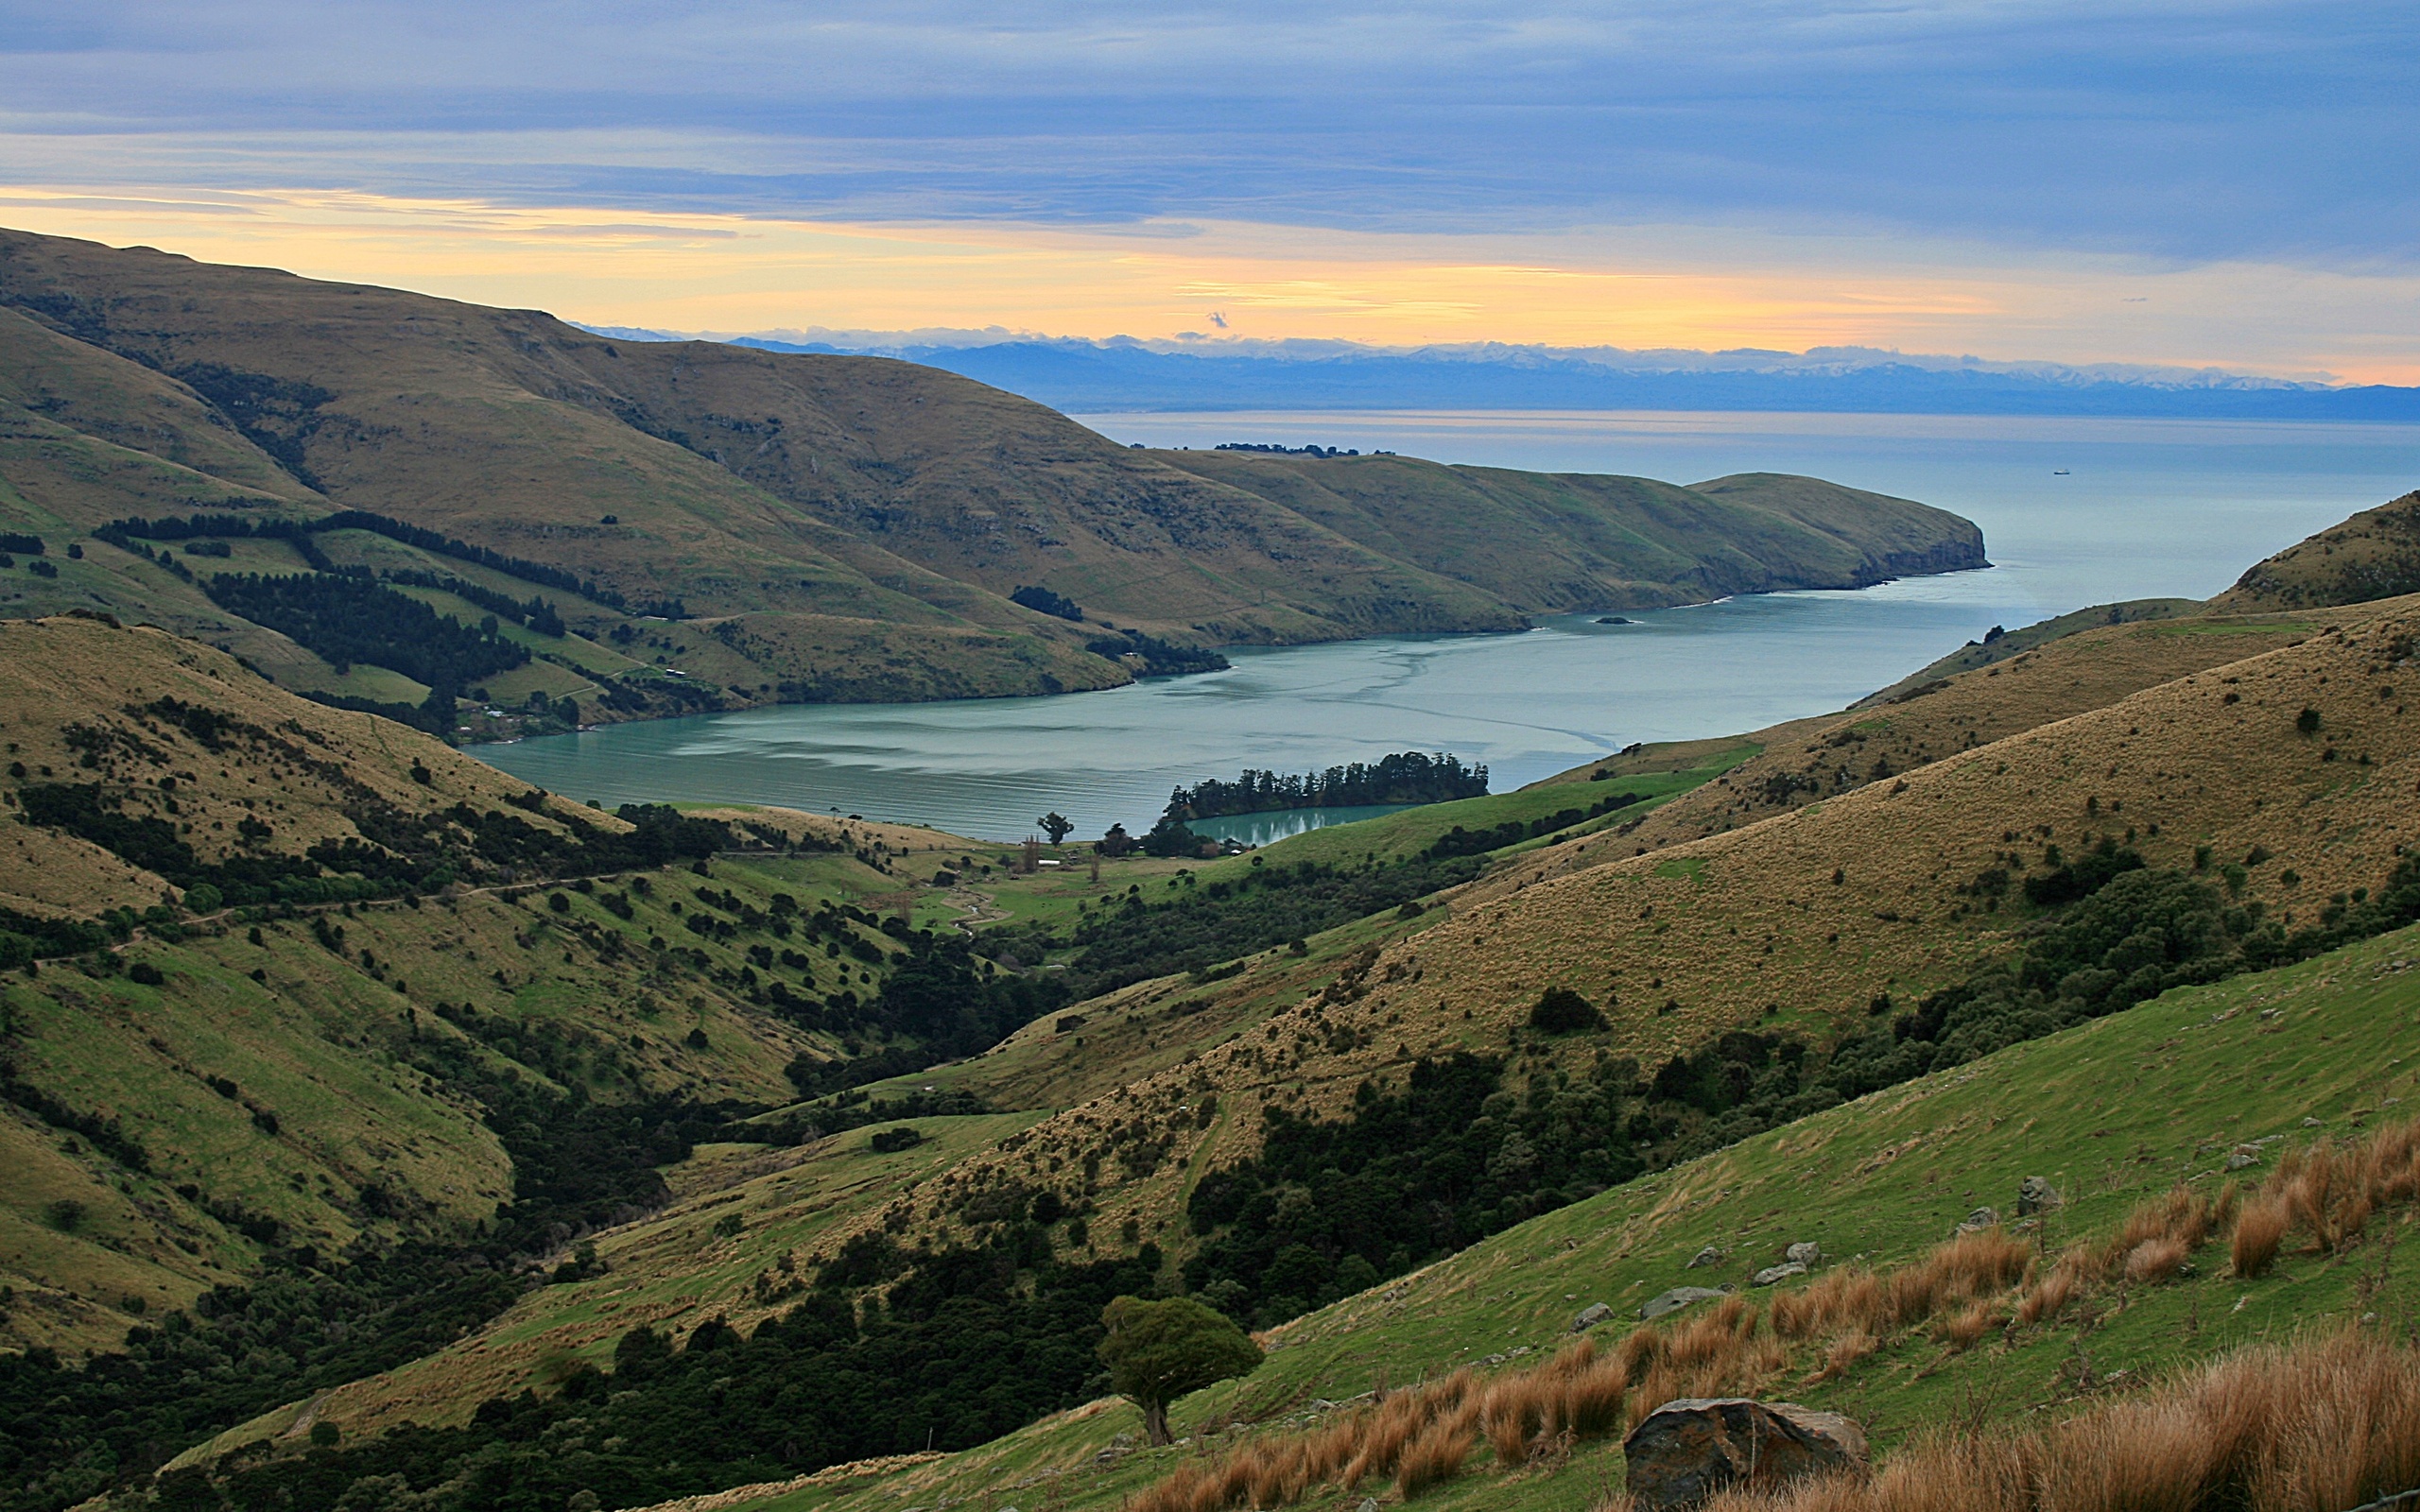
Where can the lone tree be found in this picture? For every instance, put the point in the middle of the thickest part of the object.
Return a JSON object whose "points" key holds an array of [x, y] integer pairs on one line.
{"points": [[1057, 824], [1158, 1351]]}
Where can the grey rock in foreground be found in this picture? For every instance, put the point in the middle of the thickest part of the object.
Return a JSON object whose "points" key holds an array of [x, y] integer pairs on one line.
{"points": [[1686, 1451], [1708, 1256], [1675, 1299], [1594, 1314], [1806, 1252], [1979, 1220], [2035, 1195], [1778, 1273]]}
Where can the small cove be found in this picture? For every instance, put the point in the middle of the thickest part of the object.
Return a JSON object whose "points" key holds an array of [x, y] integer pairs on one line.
{"points": [[2147, 508]]}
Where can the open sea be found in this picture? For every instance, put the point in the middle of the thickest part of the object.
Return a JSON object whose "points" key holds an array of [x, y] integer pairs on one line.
{"points": [[2073, 512]]}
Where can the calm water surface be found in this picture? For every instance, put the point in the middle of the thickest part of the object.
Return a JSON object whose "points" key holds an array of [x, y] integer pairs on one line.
{"points": [[2145, 508]]}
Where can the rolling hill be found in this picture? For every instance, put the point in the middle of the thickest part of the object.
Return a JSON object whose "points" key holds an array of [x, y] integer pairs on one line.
{"points": [[391, 1130], [716, 525]]}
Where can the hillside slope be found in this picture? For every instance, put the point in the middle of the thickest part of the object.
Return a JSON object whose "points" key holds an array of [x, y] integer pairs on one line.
{"points": [[285, 979], [784, 499], [1802, 925], [1540, 542], [2114, 1115], [2374, 555], [1272, 1116]]}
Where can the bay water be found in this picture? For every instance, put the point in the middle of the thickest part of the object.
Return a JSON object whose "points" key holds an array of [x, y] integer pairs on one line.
{"points": [[2074, 511]]}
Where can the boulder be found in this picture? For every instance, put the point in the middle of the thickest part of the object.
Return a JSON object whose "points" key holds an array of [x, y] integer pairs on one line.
{"points": [[1779, 1273], [1675, 1299], [2035, 1195], [1708, 1256], [1687, 1450], [1806, 1252], [2242, 1155], [1979, 1220], [1594, 1314]]}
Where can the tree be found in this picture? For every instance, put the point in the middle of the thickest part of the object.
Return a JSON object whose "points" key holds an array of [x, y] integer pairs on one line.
{"points": [[1057, 825], [1560, 1011], [1113, 844], [1158, 1351], [1169, 837]]}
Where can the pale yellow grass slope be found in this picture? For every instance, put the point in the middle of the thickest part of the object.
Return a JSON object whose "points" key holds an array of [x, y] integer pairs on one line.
{"points": [[1749, 928], [1809, 759], [65, 674], [2373, 554]]}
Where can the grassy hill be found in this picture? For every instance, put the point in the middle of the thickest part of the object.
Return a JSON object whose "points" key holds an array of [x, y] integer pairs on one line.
{"points": [[1405, 1095], [2374, 555], [2115, 1115], [824, 527], [267, 957], [1539, 541]]}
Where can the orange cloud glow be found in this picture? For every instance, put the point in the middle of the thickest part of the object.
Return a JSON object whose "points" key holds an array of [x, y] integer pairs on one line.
{"points": [[1652, 286]]}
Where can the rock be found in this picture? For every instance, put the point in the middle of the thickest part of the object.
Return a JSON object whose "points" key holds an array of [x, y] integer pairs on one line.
{"points": [[1594, 1314], [1979, 1220], [1806, 1252], [1688, 1450], [1675, 1299], [2035, 1195], [1369, 1504], [1778, 1273], [1708, 1256], [2241, 1156], [2312, 1123]]}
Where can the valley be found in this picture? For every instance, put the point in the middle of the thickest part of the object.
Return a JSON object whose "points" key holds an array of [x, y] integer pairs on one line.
{"points": [[662, 528], [839, 1098], [389, 1133]]}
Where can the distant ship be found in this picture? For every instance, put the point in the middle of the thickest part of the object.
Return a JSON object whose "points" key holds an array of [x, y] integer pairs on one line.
{"points": [[2058, 472]]}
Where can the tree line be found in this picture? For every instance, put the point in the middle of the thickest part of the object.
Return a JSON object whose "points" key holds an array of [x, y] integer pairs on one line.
{"points": [[1407, 777]]}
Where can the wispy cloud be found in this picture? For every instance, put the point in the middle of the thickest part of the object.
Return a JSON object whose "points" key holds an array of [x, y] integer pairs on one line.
{"points": [[2057, 144]]}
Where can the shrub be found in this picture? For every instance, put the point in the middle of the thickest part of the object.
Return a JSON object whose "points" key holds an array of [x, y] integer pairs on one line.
{"points": [[1560, 1011]]}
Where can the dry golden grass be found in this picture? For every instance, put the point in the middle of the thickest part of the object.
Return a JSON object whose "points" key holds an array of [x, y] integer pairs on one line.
{"points": [[72, 675], [2259, 1234], [2231, 1430], [1713, 934], [1810, 759], [2328, 1192], [2048, 1296], [2363, 557], [2322, 1424], [2157, 1259], [1425, 1434]]}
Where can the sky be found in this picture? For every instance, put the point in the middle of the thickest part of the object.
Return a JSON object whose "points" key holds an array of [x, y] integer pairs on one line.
{"points": [[2226, 182]]}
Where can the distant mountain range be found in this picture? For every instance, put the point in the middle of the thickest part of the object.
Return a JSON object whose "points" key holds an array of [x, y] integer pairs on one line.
{"points": [[1090, 376]]}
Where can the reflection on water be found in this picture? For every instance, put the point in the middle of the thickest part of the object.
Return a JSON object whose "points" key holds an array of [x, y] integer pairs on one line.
{"points": [[1267, 829], [2149, 508]]}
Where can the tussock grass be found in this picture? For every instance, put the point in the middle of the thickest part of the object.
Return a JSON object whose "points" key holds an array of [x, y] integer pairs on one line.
{"points": [[2259, 1232], [1425, 1435], [2327, 1422]]}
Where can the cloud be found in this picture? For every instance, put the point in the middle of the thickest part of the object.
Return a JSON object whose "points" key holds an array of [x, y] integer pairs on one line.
{"points": [[2185, 130]]}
